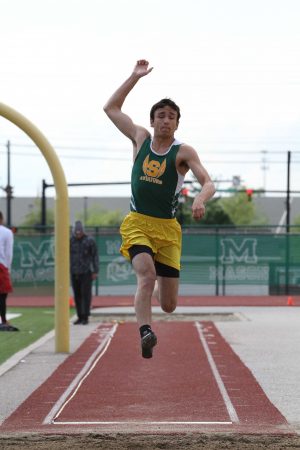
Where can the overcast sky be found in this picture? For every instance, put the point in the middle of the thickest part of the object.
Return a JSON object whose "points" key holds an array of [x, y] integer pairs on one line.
{"points": [[233, 66]]}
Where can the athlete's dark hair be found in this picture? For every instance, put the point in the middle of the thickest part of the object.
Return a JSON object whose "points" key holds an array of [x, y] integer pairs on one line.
{"points": [[1, 216], [161, 104]]}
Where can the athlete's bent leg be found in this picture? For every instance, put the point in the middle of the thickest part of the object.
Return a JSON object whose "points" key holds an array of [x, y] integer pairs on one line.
{"points": [[168, 293]]}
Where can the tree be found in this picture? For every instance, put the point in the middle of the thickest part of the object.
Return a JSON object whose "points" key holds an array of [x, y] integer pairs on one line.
{"points": [[232, 210], [33, 218], [296, 222], [214, 214], [98, 217], [241, 211]]}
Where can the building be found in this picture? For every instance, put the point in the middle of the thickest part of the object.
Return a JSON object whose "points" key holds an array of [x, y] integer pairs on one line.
{"points": [[274, 208], [21, 206]]}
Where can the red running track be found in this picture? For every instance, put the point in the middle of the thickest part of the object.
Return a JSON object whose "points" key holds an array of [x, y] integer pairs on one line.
{"points": [[183, 300], [194, 380]]}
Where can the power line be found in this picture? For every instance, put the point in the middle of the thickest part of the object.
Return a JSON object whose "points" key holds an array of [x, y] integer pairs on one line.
{"points": [[129, 159], [123, 149], [85, 157]]}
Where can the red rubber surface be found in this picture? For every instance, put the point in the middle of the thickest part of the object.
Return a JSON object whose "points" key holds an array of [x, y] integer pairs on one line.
{"points": [[172, 386], [176, 385], [127, 300]]}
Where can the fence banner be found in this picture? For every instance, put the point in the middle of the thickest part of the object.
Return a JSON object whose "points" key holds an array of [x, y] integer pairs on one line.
{"points": [[219, 263]]}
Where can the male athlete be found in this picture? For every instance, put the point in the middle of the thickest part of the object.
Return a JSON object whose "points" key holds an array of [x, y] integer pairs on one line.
{"points": [[151, 235]]}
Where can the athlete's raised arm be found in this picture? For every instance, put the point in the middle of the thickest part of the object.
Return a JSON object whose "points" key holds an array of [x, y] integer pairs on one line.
{"points": [[113, 107]]}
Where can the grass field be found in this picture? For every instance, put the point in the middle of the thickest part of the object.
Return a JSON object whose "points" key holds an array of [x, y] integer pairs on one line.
{"points": [[33, 323]]}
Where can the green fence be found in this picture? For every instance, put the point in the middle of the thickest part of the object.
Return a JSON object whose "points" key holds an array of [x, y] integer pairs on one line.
{"points": [[215, 261]]}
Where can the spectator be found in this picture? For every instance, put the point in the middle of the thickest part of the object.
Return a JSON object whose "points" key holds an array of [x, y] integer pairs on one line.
{"points": [[84, 265], [6, 256]]}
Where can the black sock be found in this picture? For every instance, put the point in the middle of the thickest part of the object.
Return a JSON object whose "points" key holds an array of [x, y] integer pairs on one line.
{"points": [[144, 329]]}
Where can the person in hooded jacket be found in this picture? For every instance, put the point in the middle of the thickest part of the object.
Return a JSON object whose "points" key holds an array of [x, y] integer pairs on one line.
{"points": [[84, 268]]}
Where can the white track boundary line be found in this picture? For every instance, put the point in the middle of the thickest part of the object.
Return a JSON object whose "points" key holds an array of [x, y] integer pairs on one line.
{"points": [[142, 423], [230, 408], [78, 380]]}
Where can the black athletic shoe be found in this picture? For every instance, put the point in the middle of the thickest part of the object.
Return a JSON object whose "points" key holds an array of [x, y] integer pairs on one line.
{"points": [[148, 341], [8, 327], [77, 322]]}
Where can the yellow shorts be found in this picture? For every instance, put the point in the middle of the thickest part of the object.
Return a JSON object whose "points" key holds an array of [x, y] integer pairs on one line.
{"points": [[163, 236]]}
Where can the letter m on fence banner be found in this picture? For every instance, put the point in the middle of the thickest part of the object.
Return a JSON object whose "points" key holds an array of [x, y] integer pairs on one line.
{"points": [[244, 252], [40, 256]]}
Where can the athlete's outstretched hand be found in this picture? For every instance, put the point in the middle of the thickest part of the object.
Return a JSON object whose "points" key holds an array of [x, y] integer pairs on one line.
{"points": [[142, 68]]}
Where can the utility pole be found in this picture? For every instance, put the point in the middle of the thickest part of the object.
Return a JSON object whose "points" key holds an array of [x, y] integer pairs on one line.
{"points": [[288, 191], [287, 255], [43, 205], [85, 207], [264, 167], [8, 188]]}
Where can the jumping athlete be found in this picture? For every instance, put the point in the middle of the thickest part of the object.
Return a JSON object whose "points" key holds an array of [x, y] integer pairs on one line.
{"points": [[151, 235]]}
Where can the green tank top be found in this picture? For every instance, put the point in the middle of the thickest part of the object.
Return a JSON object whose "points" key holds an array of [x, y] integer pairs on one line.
{"points": [[155, 182]]}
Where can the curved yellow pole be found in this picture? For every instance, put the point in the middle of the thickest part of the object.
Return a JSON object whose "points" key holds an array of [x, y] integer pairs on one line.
{"points": [[62, 326]]}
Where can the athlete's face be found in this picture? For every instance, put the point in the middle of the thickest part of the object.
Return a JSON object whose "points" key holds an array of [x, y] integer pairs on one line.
{"points": [[165, 121]]}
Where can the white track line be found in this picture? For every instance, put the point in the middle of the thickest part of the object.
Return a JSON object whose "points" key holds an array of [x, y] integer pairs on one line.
{"points": [[230, 408], [78, 380], [142, 423]]}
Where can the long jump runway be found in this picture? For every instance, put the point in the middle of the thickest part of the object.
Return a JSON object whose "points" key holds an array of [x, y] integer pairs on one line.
{"points": [[194, 382]]}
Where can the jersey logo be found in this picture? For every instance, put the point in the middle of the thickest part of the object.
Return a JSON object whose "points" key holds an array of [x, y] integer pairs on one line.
{"points": [[154, 168]]}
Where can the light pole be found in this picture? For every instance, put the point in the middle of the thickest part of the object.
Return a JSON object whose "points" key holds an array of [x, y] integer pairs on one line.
{"points": [[85, 212], [264, 167], [8, 189], [288, 192]]}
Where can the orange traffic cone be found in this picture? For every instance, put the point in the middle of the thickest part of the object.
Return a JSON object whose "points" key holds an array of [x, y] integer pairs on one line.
{"points": [[290, 301], [71, 302]]}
